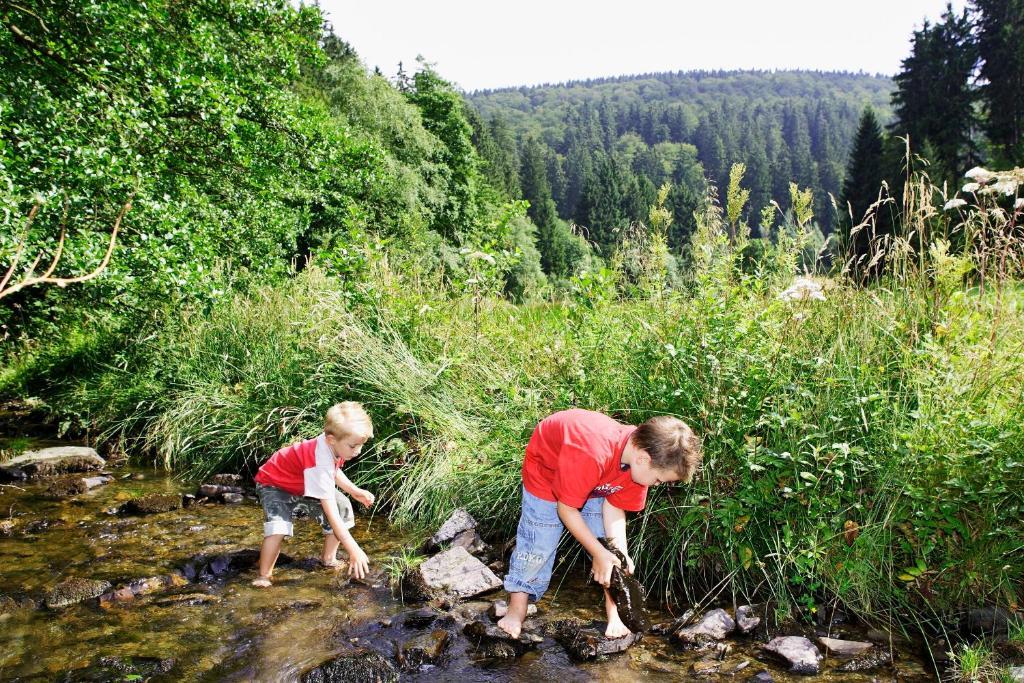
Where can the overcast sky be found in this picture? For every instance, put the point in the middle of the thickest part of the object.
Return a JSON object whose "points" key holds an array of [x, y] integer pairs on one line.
{"points": [[484, 44]]}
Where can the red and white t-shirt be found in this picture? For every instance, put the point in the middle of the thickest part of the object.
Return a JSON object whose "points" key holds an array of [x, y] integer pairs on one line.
{"points": [[302, 469], [574, 455]]}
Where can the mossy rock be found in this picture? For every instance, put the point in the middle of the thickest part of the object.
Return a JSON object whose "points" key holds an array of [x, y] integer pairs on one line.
{"points": [[358, 666], [75, 590], [151, 504]]}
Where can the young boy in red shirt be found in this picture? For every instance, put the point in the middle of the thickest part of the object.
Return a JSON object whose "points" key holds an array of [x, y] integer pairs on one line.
{"points": [[304, 476], [583, 471]]}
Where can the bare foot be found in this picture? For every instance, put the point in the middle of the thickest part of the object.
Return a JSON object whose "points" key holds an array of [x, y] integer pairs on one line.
{"points": [[334, 564], [511, 625], [616, 629], [262, 582]]}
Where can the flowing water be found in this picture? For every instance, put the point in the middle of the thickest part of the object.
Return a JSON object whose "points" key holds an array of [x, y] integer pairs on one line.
{"points": [[244, 633]]}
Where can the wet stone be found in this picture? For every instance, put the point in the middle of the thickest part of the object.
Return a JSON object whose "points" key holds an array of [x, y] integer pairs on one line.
{"points": [[358, 666], [746, 619], [458, 572], [427, 648], [801, 654], [1016, 674], [628, 595], [9, 604], [419, 618], [485, 635], [217, 490], [7, 527], [866, 661], [188, 600], [844, 648], [715, 625], [209, 567], [986, 622], [151, 504], [733, 666], [584, 641], [75, 590], [50, 462], [65, 488], [226, 479], [232, 498], [762, 677], [457, 523], [143, 586], [412, 587], [706, 667]]}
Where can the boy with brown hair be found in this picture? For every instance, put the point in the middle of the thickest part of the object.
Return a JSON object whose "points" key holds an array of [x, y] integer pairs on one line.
{"points": [[583, 471], [304, 476]]}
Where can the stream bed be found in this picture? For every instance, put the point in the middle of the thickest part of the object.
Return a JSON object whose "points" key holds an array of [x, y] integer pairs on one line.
{"points": [[223, 629]]}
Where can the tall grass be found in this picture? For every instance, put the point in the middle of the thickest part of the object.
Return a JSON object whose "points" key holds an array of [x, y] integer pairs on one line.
{"points": [[862, 446]]}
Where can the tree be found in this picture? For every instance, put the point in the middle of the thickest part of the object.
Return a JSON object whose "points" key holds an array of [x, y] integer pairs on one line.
{"points": [[533, 178], [934, 98], [1000, 36], [861, 189]]}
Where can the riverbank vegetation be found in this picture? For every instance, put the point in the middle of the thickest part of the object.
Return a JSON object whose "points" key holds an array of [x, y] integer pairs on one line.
{"points": [[302, 231]]}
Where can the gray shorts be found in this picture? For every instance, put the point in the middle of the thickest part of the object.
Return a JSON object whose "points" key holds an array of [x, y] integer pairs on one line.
{"points": [[279, 507]]}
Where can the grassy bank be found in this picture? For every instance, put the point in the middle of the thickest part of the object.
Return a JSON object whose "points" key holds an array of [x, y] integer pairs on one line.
{"points": [[862, 445]]}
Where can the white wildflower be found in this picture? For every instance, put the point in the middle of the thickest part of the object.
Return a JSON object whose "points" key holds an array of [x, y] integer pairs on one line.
{"points": [[1019, 204], [979, 174], [971, 187], [479, 255], [954, 204], [1007, 186], [802, 289]]}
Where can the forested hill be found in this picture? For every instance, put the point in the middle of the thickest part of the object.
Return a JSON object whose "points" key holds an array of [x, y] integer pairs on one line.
{"points": [[623, 137]]}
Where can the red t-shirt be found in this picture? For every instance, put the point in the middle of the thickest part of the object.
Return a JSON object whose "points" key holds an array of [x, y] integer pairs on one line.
{"points": [[306, 468], [575, 455]]}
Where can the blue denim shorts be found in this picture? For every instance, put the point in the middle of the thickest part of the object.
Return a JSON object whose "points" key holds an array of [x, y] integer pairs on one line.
{"points": [[529, 569]]}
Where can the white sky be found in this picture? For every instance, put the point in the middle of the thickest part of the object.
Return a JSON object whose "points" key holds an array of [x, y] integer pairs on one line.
{"points": [[480, 44]]}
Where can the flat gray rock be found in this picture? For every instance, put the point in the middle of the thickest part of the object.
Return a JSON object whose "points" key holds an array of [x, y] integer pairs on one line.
{"points": [[844, 648], [746, 619], [50, 462], [715, 625], [458, 572], [75, 590], [801, 654]]}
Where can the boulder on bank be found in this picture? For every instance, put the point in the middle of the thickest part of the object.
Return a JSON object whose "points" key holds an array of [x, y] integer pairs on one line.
{"points": [[358, 666], [151, 504], [715, 625], [844, 648], [456, 571], [50, 462], [75, 590], [746, 619], [584, 642], [459, 522], [801, 654]]}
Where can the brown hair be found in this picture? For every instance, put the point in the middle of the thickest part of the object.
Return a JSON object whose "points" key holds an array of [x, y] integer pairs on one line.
{"points": [[348, 419], [671, 444]]}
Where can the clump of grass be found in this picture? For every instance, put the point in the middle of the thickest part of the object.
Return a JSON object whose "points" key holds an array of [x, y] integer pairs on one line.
{"points": [[974, 664]]}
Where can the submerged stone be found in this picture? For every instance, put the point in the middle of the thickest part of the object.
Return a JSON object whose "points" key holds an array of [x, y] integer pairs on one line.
{"points": [[188, 600], [584, 641], [715, 625], [628, 594], [66, 487], [419, 618], [358, 666], [50, 462], [121, 669], [151, 504], [209, 567], [426, 648], [458, 572], [75, 590], [143, 586], [801, 654], [459, 522], [226, 479], [866, 661]]}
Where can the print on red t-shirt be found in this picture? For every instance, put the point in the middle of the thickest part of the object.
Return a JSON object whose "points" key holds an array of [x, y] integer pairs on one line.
{"points": [[574, 455]]}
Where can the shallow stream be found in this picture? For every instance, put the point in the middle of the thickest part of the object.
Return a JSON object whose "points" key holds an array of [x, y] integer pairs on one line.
{"points": [[238, 632]]}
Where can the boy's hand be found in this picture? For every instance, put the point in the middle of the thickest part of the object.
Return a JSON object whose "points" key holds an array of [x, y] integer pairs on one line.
{"points": [[602, 567], [364, 497], [358, 563], [629, 568]]}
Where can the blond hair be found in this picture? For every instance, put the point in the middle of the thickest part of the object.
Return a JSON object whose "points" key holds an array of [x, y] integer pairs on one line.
{"points": [[671, 444], [348, 419]]}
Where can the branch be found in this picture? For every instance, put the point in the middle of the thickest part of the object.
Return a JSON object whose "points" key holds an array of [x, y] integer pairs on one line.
{"points": [[46, 278]]}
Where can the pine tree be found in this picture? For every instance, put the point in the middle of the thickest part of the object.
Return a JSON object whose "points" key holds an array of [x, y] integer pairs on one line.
{"points": [[863, 180], [533, 178], [1000, 36]]}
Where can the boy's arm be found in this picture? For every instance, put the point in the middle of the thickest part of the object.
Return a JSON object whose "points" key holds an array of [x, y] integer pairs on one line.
{"points": [[615, 530], [358, 563], [346, 485], [604, 559]]}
